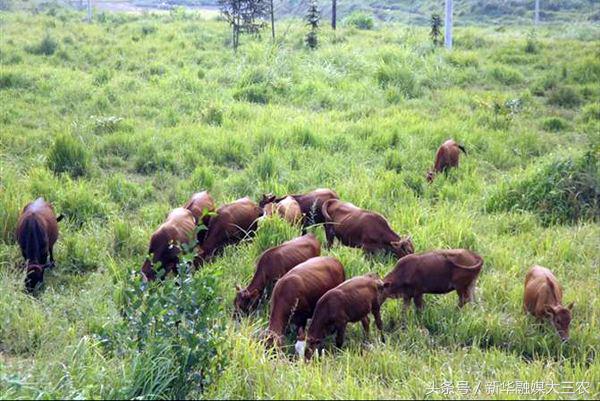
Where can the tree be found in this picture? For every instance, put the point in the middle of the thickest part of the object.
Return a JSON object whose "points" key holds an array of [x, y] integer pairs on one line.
{"points": [[312, 19], [244, 16], [436, 31], [537, 12]]}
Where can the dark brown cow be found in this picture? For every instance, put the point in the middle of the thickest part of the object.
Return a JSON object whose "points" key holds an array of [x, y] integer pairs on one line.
{"points": [[164, 243], [349, 302], [273, 264], [296, 294], [288, 208], [310, 203], [199, 204], [543, 299], [446, 157], [437, 272], [232, 223], [37, 232], [361, 228]]}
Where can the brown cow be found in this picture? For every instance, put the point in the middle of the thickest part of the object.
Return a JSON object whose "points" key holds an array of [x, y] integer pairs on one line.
{"points": [[37, 232], [349, 302], [543, 299], [446, 157], [288, 208], [273, 264], [361, 228], [310, 204], [232, 223], [164, 243], [437, 272], [296, 294], [199, 204]]}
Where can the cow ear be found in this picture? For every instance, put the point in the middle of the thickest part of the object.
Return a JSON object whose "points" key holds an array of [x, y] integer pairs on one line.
{"points": [[570, 306], [238, 288]]}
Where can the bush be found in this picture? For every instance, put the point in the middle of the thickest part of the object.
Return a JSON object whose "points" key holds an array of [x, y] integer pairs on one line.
{"points": [[563, 191], [564, 96], [506, 75], [68, 155], [179, 325], [554, 124], [46, 47], [400, 77], [591, 112], [588, 71], [360, 20], [9, 80]]}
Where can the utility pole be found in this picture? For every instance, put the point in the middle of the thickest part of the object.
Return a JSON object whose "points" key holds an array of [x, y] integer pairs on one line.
{"points": [[333, 13], [537, 12], [89, 11], [272, 21], [448, 35]]}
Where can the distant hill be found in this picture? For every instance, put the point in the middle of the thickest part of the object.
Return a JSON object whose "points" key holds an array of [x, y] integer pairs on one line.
{"points": [[419, 11]]}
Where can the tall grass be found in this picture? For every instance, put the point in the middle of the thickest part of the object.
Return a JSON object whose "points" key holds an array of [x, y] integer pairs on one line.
{"points": [[156, 107]]}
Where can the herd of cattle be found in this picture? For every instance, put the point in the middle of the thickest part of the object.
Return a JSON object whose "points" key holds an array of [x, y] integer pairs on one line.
{"points": [[305, 285]]}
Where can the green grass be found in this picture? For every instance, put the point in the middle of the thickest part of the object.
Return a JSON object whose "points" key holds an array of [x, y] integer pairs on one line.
{"points": [[129, 116]]}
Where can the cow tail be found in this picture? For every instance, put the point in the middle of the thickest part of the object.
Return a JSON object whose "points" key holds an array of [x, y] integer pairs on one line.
{"points": [[461, 147], [324, 211], [33, 240]]}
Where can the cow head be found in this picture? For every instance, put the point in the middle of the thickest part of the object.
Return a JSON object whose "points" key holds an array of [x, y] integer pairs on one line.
{"points": [[312, 344], [403, 247], [266, 199], [561, 319], [245, 300], [430, 175], [35, 276]]}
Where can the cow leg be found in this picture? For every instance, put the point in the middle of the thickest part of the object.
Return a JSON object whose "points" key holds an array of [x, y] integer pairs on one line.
{"points": [[378, 322], [418, 300], [365, 325], [330, 234], [463, 296], [341, 332]]}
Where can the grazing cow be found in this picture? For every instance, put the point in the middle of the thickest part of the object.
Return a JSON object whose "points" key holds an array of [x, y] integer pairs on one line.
{"points": [[198, 204], [288, 208], [164, 243], [445, 158], [273, 264], [543, 299], [310, 204], [349, 302], [37, 232], [232, 223], [361, 228], [437, 272], [296, 294]]}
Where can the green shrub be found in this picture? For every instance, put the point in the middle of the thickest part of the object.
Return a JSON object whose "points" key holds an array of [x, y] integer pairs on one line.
{"points": [[213, 115], [400, 77], [360, 20], [506, 75], [265, 166], [591, 112], [564, 96], [305, 137], [554, 124], [179, 325], [255, 93], [16, 80], [46, 47], [563, 191], [68, 155], [151, 159], [587, 71]]}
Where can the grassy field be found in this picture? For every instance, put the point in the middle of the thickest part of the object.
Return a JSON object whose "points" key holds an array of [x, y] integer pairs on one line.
{"points": [[119, 121]]}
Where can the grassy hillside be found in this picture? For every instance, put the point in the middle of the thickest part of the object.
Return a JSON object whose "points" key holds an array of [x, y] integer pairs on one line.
{"points": [[119, 121]]}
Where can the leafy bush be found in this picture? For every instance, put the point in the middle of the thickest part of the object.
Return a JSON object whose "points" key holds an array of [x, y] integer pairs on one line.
{"points": [[554, 124], [506, 75], [15, 80], [564, 96], [563, 191], [179, 325], [360, 20], [68, 155], [46, 47]]}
